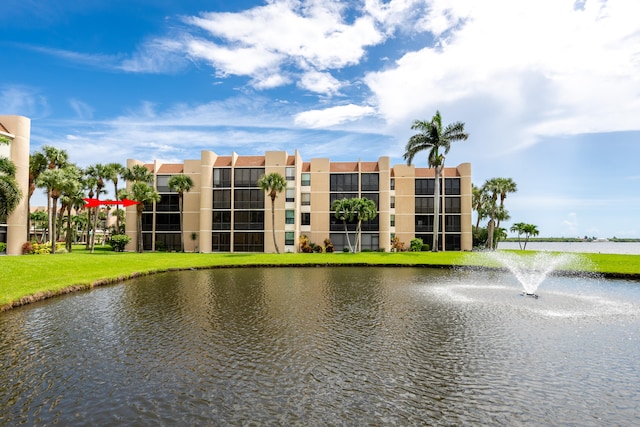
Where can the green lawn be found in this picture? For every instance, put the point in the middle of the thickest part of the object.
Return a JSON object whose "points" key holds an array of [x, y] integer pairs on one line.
{"points": [[32, 277]]}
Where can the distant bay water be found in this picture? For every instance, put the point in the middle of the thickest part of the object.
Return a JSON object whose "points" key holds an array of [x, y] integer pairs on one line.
{"points": [[603, 247]]}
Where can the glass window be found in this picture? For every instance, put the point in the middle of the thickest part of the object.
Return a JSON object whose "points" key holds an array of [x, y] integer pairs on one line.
{"points": [[305, 179], [452, 186], [247, 177], [168, 222], [424, 205], [343, 182], [452, 223], [424, 223], [370, 242], [289, 238], [221, 220], [248, 242], [162, 183], [393, 184], [221, 199], [369, 182], [168, 203], [221, 178], [289, 217], [248, 199], [393, 220], [305, 199], [337, 196], [305, 218], [147, 221], [291, 194], [220, 242], [425, 186], [167, 241], [392, 200], [248, 220], [290, 173], [372, 225], [452, 204]]}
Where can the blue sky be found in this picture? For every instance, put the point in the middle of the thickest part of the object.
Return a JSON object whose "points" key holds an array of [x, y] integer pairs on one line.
{"points": [[549, 90]]}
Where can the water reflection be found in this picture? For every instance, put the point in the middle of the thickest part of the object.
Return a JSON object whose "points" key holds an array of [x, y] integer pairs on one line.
{"points": [[325, 346]]}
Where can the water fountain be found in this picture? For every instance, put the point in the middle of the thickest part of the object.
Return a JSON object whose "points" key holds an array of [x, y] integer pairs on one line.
{"points": [[532, 270]]}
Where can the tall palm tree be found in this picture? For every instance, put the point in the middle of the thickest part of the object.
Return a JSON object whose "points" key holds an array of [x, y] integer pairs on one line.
{"points": [[37, 165], [273, 183], [505, 186], [10, 193], [181, 183], [112, 172], [71, 198], [437, 140], [365, 210], [343, 210], [492, 186], [141, 191], [144, 193], [99, 173], [53, 180]]}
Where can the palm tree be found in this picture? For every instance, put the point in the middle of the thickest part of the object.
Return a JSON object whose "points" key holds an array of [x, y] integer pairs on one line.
{"points": [[112, 172], [37, 165], [71, 198], [365, 210], [181, 183], [55, 158], [273, 184], [144, 193], [53, 180], [438, 141], [141, 191], [99, 173], [498, 188], [10, 193], [527, 229], [343, 210], [505, 186]]}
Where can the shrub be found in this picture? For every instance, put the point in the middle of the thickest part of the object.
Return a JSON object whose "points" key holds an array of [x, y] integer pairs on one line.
{"points": [[397, 245], [316, 248], [416, 245], [3, 246], [426, 247], [328, 245], [119, 241], [27, 248], [303, 241], [345, 249]]}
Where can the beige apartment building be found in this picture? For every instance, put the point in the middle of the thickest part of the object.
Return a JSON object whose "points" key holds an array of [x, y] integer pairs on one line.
{"points": [[13, 229], [227, 212]]}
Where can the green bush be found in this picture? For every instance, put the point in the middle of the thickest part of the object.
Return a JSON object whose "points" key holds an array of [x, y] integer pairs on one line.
{"points": [[3, 246], [426, 247], [119, 241], [416, 245]]}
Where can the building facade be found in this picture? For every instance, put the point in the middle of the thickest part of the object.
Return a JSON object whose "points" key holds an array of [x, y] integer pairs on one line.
{"points": [[225, 211], [13, 229]]}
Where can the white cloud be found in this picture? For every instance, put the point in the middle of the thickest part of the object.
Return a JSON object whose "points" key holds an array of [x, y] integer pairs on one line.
{"points": [[83, 110], [318, 82], [333, 116], [529, 68]]}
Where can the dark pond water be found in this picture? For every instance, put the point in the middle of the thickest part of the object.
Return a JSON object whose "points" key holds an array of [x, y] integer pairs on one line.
{"points": [[326, 346]]}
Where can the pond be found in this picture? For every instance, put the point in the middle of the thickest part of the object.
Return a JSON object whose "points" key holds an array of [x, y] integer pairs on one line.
{"points": [[326, 346]]}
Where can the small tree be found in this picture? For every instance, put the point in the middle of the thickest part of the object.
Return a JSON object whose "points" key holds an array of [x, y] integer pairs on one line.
{"points": [[181, 184], [527, 229]]}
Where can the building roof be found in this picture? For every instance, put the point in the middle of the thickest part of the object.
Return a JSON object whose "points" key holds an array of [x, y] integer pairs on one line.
{"points": [[223, 161], [244, 161], [369, 167], [344, 167], [171, 168], [431, 172], [306, 166], [291, 160], [4, 130]]}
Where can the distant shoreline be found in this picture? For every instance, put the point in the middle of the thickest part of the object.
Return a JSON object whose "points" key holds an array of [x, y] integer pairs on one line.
{"points": [[572, 239]]}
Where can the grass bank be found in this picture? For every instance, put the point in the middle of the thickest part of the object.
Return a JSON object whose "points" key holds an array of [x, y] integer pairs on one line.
{"points": [[24, 279]]}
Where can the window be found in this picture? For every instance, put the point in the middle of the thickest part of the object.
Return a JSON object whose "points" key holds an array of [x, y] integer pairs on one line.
{"points": [[290, 173], [424, 223], [343, 182], [393, 220], [305, 199], [369, 182], [221, 178], [424, 205], [248, 220], [248, 242], [167, 241], [168, 203], [452, 223], [221, 220], [453, 242], [337, 196], [305, 179], [167, 222], [452, 204], [305, 218], [289, 238], [220, 242], [147, 221], [162, 183], [289, 217], [374, 197], [248, 199], [337, 224], [372, 225], [370, 242], [290, 194], [452, 186], [247, 177], [425, 187], [221, 199], [393, 201]]}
